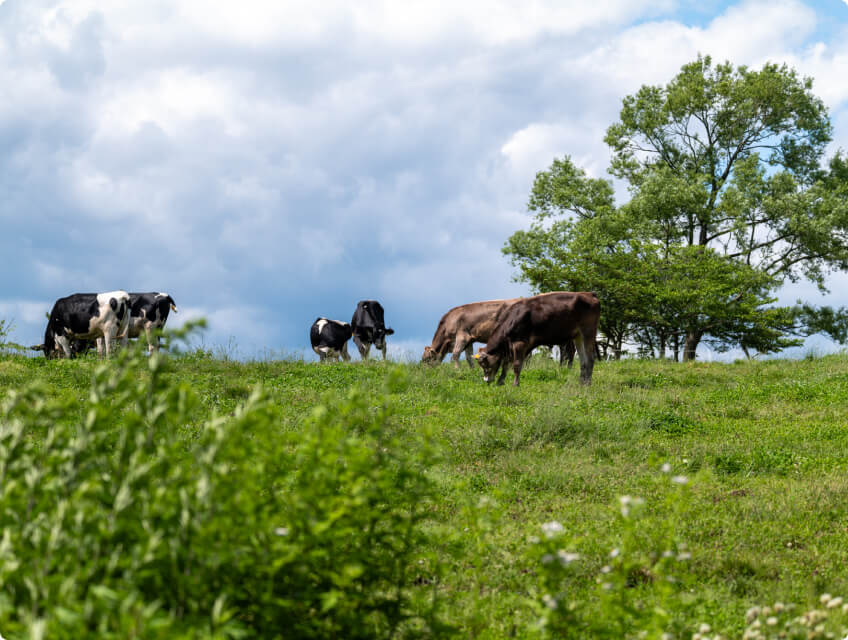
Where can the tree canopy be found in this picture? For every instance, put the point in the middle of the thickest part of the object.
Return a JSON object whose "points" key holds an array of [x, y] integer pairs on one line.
{"points": [[730, 197]]}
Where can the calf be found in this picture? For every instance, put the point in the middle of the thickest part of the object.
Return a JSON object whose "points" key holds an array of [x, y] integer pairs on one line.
{"points": [[547, 319], [369, 327], [86, 316], [461, 327], [329, 339], [148, 313]]}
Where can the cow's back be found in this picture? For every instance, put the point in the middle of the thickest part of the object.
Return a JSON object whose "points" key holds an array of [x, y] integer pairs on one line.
{"points": [[551, 318]]}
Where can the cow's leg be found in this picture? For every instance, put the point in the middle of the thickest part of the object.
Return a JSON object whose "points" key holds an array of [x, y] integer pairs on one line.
{"points": [[460, 343], [63, 342], [469, 354], [345, 354], [149, 340], [566, 353], [586, 349], [109, 335], [383, 350], [503, 364], [519, 354], [364, 347]]}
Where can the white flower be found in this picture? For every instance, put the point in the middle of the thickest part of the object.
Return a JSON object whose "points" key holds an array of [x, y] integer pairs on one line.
{"points": [[281, 531], [824, 598], [684, 555], [606, 568], [614, 553], [552, 528], [666, 468], [771, 621], [547, 558], [533, 539], [567, 557], [704, 628], [833, 603], [550, 601], [679, 479]]}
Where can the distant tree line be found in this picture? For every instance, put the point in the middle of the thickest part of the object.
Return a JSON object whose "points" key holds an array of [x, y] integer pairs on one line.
{"points": [[730, 198]]}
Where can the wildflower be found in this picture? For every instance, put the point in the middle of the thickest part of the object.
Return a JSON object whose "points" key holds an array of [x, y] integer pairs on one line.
{"points": [[771, 621], [683, 556], [845, 610], [614, 553], [833, 603], [550, 601], [547, 558], [704, 628], [567, 557], [552, 528], [666, 468], [533, 539], [825, 598], [779, 607], [606, 569], [627, 502], [281, 531], [679, 479]]}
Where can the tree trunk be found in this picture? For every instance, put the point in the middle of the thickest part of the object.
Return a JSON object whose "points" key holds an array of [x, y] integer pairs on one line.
{"points": [[691, 345]]}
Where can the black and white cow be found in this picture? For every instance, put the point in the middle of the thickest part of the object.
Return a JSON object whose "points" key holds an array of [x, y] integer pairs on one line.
{"points": [[86, 316], [369, 327], [329, 339], [148, 314]]}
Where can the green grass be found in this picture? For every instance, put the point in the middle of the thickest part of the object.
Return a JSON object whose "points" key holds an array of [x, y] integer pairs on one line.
{"points": [[764, 446]]}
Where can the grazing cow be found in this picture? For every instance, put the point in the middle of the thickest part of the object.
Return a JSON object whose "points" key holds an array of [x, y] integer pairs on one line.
{"points": [[329, 339], [86, 316], [148, 313], [369, 327], [461, 327], [547, 319]]}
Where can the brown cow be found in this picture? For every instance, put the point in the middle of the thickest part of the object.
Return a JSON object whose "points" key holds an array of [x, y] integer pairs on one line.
{"points": [[547, 319], [462, 326]]}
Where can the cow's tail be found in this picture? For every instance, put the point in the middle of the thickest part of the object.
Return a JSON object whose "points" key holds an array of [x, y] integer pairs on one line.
{"points": [[173, 304]]}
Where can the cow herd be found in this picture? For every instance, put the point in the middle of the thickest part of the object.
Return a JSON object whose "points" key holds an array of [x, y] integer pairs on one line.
{"points": [[510, 329], [82, 320]]}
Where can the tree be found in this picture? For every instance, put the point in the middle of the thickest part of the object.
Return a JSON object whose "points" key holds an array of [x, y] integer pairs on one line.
{"points": [[721, 163]]}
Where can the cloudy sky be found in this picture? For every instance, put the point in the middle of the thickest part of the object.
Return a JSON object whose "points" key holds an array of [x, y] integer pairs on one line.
{"points": [[267, 162]]}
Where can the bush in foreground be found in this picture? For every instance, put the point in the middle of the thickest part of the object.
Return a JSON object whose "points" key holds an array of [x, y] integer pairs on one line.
{"points": [[132, 519]]}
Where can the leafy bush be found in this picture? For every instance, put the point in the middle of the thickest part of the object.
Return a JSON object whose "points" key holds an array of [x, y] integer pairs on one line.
{"points": [[138, 520]]}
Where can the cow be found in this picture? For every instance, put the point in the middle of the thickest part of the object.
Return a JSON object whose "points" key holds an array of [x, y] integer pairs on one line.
{"points": [[148, 314], [369, 327], [547, 319], [461, 327], [329, 339], [86, 316]]}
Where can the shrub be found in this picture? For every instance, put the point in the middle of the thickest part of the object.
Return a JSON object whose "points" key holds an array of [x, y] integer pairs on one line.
{"points": [[138, 520]]}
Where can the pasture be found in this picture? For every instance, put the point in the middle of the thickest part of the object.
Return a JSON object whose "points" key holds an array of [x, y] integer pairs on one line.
{"points": [[733, 477]]}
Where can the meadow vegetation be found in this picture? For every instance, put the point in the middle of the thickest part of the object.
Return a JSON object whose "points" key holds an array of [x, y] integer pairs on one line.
{"points": [[185, 496]]}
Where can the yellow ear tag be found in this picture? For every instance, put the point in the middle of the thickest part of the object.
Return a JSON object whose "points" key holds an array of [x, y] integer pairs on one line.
{"points": [[476, 356]]}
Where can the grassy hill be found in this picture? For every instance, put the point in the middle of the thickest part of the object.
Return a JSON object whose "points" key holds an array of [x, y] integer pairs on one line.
{"points": [[662, 498]]}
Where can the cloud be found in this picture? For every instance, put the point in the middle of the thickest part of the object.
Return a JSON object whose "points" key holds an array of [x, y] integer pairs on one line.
{"points": [[276, 161]]}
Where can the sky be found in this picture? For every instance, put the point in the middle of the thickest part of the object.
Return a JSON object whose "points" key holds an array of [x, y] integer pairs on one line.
{"points": [[269, 162]]}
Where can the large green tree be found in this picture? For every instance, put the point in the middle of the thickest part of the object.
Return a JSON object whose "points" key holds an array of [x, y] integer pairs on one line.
{"points": [[730, 198]]}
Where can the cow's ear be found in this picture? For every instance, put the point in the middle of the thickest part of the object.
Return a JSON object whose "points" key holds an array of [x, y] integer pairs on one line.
{"points": [[390, 332]]}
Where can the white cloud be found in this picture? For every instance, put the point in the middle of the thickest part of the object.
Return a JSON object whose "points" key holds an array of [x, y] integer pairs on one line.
{"points": [[275, 161]]}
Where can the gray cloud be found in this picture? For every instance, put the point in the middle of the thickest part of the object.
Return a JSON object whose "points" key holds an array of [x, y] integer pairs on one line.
{"points": [[270, 164]]}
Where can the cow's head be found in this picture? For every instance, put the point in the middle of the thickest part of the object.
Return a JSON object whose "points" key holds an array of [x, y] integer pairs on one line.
{"points": [[488, 362], [430, 356], [380, 334]]}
